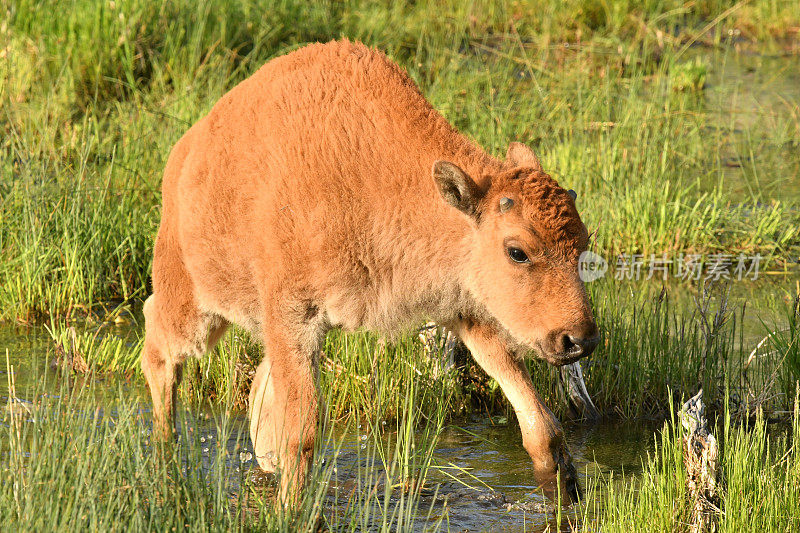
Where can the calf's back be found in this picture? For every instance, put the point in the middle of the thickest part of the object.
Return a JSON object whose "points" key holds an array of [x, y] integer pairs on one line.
{"points": [[315, 173]]}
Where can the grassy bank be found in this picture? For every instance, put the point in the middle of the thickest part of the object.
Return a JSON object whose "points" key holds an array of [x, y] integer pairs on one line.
{"points": [[609, 94]]}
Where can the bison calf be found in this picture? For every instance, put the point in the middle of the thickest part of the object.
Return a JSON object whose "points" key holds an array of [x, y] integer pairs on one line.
{"points": [[325, 191]]}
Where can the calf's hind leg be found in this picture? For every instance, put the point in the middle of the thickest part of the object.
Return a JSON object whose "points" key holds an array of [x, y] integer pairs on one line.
{"points": [[166, 347], [175, 328], [284, 413]]}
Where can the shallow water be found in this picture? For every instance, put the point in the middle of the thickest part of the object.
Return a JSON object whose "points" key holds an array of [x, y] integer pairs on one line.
{"points": [[494, 487], [752, 101]]}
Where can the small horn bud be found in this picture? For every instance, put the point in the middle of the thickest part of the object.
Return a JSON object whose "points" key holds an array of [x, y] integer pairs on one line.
{"points": [[506, 204], [573, 194]]}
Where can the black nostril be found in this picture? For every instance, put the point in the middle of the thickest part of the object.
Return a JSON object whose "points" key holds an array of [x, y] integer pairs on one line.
{"points": [[572, 345]]}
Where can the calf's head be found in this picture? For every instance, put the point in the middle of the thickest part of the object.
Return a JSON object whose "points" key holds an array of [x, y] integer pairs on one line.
{"points": [[523, 255]]}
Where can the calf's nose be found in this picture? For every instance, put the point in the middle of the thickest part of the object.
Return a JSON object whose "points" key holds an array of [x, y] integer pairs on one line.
{"points": [[576, 346]]}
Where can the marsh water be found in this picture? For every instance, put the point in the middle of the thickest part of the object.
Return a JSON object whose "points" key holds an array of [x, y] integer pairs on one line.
{"points": [[749, 100], [480, 476], [483, 475]]}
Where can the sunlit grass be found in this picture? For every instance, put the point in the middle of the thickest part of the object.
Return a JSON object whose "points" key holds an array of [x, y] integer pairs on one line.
{"points": [[93, 95], [759, 482], [360, 375], [650, 346], [93, 99], [69, 465]]}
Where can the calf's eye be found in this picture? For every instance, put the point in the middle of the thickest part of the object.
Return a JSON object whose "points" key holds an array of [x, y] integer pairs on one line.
{"points": [[517, 255]]}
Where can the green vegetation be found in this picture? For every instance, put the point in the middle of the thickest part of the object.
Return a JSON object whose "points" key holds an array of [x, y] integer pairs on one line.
{"points": [[689, 76], [94, 352], [759, 483], [92, 100], [69, 466], [648, 348], [621, 100], [361, 377]]}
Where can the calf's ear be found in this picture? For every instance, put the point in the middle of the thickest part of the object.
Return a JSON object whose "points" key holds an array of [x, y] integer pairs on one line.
{"points": [[456, 187], [520, 155]]}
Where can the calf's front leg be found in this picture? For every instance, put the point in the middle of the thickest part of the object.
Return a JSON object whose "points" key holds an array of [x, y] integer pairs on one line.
{"points": [[284, 413], [542, 435]]}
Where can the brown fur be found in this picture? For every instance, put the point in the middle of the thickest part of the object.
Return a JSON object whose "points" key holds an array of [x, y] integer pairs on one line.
{"points": [[305, 200]]}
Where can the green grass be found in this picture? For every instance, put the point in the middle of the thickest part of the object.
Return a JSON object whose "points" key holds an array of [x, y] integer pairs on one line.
{"points": [[92, 100], [69, 465], [63, 442], [760, 478], [360, 376], [97, 351], [613, 96]]}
